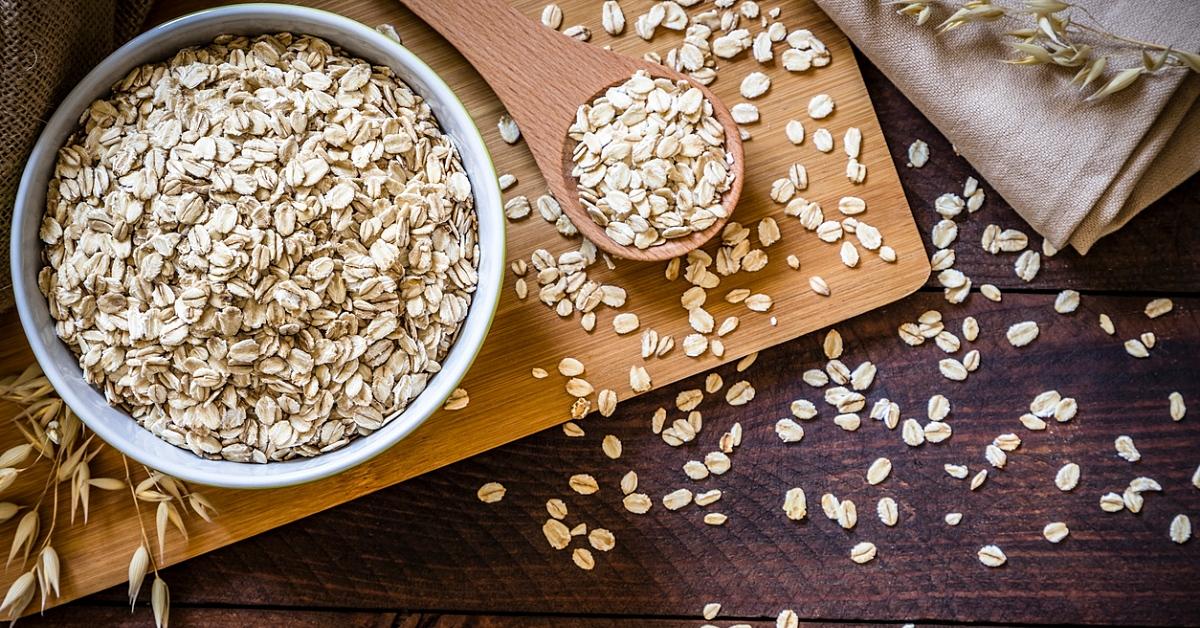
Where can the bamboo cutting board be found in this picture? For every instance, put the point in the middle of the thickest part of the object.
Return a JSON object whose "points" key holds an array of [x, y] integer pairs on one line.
{"points": [[506, 402]]}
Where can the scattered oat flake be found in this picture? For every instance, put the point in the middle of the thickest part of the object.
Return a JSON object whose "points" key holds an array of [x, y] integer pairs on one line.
{"points": [[820, 106], [863, 552], [1136, 348], [491, 492], [606, 402], [1126, 449], [583, 484], [639, 379], [953, 518], [912, 433], [740, 393], [746, 362], [582, 557], [710, 610], [1066, 302], [823, 140], [637, 503], [570, 367], [1107, 325], [557, 508], [625, 322], [795, 505], [818, 285], [1055, 531], [952, 369], [1022, 333], [879, 471], [888, 511], [677, 499], [755, 84], [557, 534], [918, 153], [978, 480], [611, 446], [789, 431], [1177, 407], [508, 129], [1158, 307], [992, 556], [708, 497], [1181, 529], [1067, 477], [458, 400], [833, 344], [602, 539], [1112, 502]]}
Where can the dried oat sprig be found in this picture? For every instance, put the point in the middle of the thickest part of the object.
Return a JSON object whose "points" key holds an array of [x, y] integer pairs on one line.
{"points": [[54, 434], [143, 560], [1048, 35]]}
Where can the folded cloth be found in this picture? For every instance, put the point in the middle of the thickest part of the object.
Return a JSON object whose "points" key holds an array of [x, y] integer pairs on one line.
{"points": [[46, 46], [1075, 170]]}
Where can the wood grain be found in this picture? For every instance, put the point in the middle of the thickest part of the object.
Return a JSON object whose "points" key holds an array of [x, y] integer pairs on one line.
{"points": [[506, 403], [430, 544], [542, 77], [87, 616], [426, 544]]}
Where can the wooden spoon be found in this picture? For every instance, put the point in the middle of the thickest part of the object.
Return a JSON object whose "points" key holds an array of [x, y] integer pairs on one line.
{"points": [[543, 76]]}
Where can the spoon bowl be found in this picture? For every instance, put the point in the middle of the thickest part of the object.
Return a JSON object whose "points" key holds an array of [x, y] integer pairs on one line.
{"points": [[543, 77]]}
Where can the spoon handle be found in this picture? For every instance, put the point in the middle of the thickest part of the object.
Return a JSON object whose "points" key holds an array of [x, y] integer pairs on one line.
{"points": [[528, 65]]}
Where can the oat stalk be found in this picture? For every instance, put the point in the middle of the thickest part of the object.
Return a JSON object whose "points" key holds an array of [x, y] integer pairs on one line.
{"points": [[1045, 33], [53, 434]]}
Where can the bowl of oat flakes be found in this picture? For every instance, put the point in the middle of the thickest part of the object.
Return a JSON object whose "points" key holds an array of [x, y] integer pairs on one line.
{"points": [[258, 245]]}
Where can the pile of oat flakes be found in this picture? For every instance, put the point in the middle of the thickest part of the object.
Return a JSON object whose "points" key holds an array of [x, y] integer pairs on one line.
{"points": [[261, 248]]}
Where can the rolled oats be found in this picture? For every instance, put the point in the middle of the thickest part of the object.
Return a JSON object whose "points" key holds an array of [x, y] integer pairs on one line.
{"points": [[795, 506], [888, 511], [1055, 532], [287, 305], [863, 552], [1022, 333], [992, 556], [633, 193]]}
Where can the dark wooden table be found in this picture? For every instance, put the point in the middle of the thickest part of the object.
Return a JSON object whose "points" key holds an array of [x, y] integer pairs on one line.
{"points": [[429, 553]]}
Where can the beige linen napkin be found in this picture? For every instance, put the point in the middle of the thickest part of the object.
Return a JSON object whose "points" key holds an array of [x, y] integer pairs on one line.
{"points": [[1075, 170]]}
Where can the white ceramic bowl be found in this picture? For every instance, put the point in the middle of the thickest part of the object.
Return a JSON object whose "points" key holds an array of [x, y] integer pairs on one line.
{"points": [[59, 363]]}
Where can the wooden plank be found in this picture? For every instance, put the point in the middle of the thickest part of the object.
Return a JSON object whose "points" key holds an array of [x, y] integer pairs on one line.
{"points": [[86, 616], [90, 615], [1166, 232], [431, 544], [527, 334]]}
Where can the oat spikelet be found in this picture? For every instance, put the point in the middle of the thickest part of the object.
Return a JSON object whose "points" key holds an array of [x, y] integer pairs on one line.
{"points": [[8, 510], [15, 455], [138, 565], [160, 601], [7, 477], [27, 531], [20, 594], [1048, 40], [49, 574]]}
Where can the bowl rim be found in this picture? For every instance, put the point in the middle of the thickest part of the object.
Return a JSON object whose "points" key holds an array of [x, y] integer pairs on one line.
{"points": [[223, 473]]}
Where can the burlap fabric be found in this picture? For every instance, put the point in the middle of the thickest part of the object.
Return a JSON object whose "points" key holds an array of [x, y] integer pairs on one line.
{"points": [[1075, 170], [45, 47]]}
